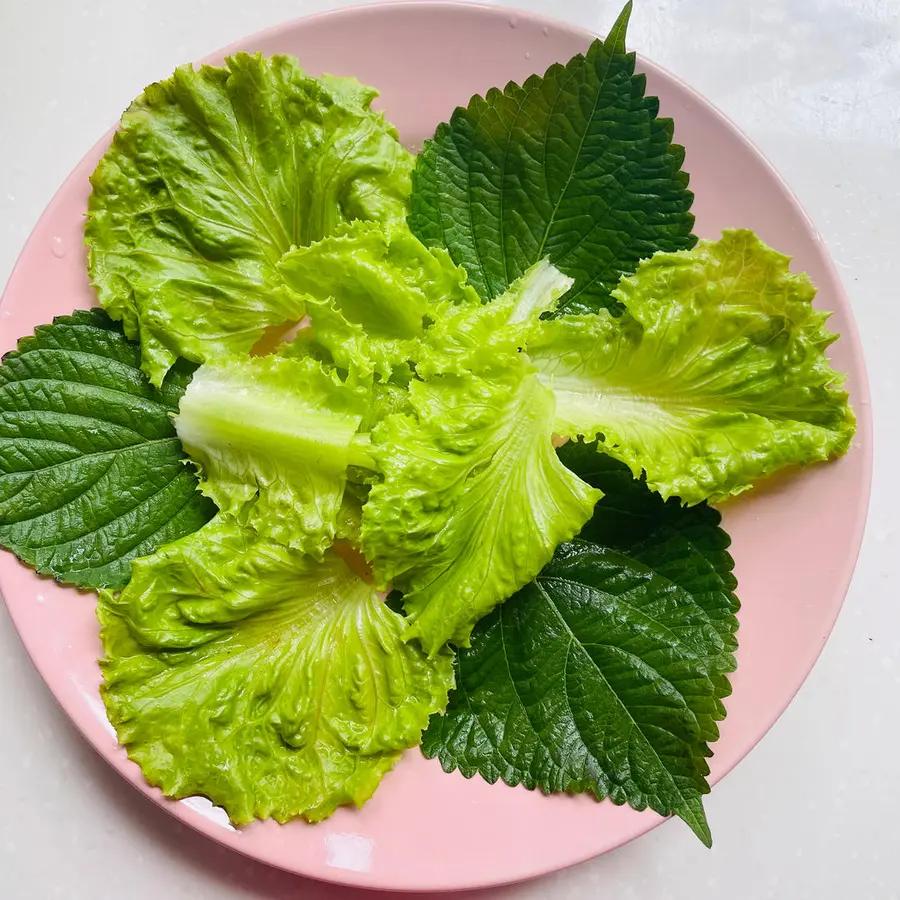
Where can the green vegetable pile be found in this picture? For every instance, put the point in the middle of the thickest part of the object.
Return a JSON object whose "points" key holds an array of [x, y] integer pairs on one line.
{"points": [[518, 383]]}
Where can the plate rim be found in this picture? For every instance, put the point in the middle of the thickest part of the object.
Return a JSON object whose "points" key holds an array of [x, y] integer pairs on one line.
{"points": [[863, 444]]}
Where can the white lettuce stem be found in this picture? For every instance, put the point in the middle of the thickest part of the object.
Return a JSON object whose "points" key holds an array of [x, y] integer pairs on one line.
{"points": [[215, 419]]}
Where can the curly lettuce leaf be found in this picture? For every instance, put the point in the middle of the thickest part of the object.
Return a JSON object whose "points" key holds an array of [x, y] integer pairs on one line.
{"points": [[473, 499], [714, 378], [92, 473], [483, 339], [371, 291], [273, 438], [274, 685], [575, 165], [214, 174]]}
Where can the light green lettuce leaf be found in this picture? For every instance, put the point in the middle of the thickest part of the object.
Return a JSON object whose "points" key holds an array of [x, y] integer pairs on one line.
{"points": [[349, 517], [482, 339], [536, 292], [214, 174], [273, 438], [715, 377], [274, 685], [473, 499], [371, 292], [388, 397]]}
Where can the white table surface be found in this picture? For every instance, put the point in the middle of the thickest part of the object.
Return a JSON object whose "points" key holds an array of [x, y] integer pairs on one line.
{"points": [[811, 812]]}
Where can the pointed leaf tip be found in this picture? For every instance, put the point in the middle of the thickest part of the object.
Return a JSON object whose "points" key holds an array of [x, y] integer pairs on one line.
{"points": [[598, 705], [471, 190], [615, 40], [693, 814]]}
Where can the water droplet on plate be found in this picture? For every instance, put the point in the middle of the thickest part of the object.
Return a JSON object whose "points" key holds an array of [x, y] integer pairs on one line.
{"points": [[545, 31], [58, 247], [527, 55], [513, 22]]}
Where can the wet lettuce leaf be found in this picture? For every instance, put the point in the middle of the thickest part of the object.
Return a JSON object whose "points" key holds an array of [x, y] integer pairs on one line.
{"points": [[487, 339], [214, 174], [273, 684], [715, 377], [473, 499], [273, 438], [371, 292]]}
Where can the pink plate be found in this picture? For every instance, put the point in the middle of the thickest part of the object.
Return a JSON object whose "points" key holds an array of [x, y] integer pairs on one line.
{"points": [[795, 541]]}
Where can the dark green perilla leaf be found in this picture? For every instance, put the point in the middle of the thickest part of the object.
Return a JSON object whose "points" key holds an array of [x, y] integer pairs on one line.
{"points": [[575, 166], [92, 474], [605, 675]]}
